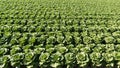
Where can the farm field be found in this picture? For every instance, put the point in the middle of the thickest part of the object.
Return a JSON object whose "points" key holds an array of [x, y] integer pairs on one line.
{"points": [[59, 34]]}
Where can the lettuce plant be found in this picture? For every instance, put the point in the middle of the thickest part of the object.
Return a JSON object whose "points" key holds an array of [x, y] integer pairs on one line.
{"points": [[109, 40], [109, 58], [16, 59], [96, 59], [44, 59], [51, 40], [4, 61], [56, 60], [82, 59], [69, 59], [3, 51], [29, 58]]}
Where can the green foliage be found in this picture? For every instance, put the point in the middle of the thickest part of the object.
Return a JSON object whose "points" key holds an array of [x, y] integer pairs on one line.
{"points": [[4, 61], [57, 58], [69, 60], [29, 58], [16, 59], [109, 40], [82, 59], [109, 58], [96, 59], [59, 34], [51, 40], [3, 51]]}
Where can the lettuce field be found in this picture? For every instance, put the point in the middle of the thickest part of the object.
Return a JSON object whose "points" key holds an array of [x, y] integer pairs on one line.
{"points": [[59, 33]]}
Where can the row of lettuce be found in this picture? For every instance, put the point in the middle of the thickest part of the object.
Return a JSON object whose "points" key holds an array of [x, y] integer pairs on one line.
{"points": [[59, 37], [58, 27], [65, 25], [50, 15], [58, 56]]}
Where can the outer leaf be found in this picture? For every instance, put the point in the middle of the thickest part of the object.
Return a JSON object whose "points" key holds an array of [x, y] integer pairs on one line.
{"points": [[62, 49], [51, 40], [29, 58], [69, 57], [32, 40], [87, 40], [109, 40], [3, 51], [4, 61], [56, 59], [43, 58], [16, 59], [15, 49], [60, 39]]}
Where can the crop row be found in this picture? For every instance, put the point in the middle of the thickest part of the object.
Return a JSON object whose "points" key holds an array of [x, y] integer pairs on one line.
{"points": [[106, 55], [59, 37], [57, 27]]}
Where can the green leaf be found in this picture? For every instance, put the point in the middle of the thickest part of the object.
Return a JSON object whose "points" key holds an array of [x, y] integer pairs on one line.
{"points": [[63, 28], [43, 58], [109, 57], [109, 40], [39, 28], [39, 50], [50, 50], [85, 49], [41, 39], [16, 59], [49, 46], [7, 34], [13, 41], [31, 28], [87, 40], [32, 40], [116, 34], [70, 46], [68, 39], [56, 57], [55, 27], [97, 39], [96, 58], [74, 50], [79, 46], [4, 61], [15, 49], [3, 51], [118, 47], [51, 40], [22, 40], [109, 47], [48, 29], [117, 56], [118, 40], [60, 39], [82, 59], [29, 58], [69, 57], [55, 65], [62, 49], [2, 40], [91, 46]]}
